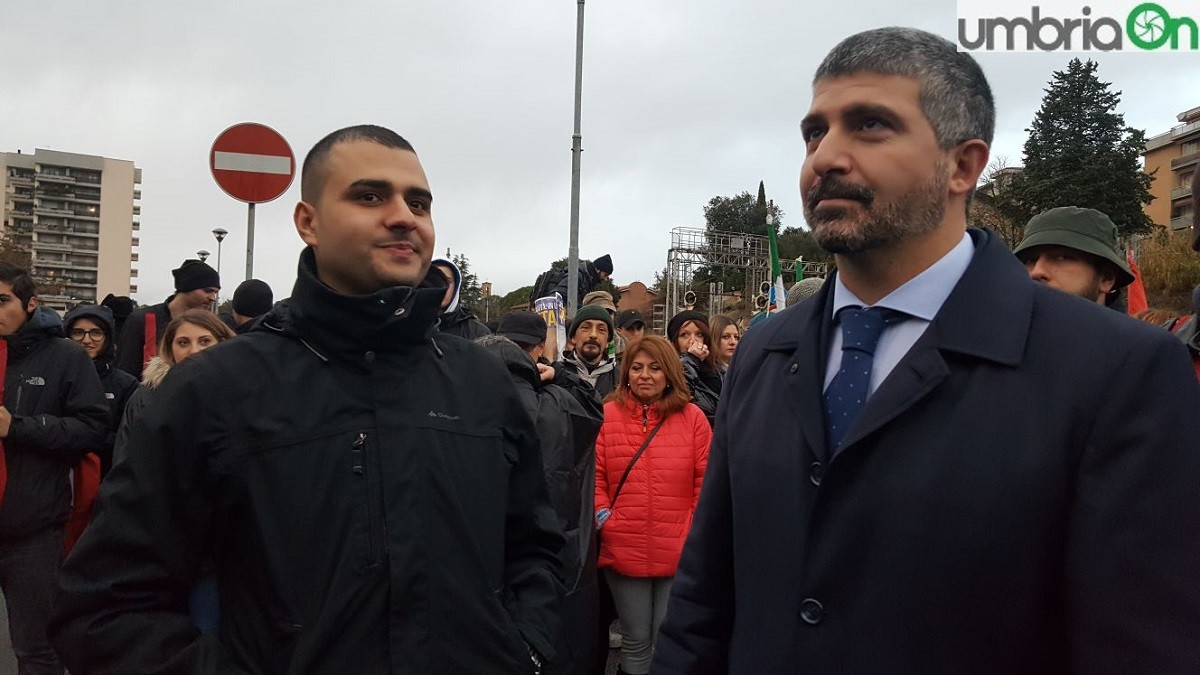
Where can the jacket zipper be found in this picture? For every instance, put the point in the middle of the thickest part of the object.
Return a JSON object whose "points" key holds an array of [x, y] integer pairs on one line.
{"points": [[645, 418], [358, 450]]}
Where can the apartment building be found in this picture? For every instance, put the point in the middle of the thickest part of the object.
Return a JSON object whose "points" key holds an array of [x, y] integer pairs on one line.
{"points": [[77, 216], [1175, 155]]}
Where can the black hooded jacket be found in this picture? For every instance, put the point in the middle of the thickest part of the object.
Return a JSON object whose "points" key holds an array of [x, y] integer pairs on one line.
{"points": [[118, 384], [462, 322], [57, 404], [568, 415], [370, 494]]}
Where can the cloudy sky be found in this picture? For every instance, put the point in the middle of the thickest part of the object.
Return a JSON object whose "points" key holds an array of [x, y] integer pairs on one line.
{"points": [[682, 101]]}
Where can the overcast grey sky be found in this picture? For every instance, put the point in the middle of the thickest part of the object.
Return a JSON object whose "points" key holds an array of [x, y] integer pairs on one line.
{"points": [[682, 101]]}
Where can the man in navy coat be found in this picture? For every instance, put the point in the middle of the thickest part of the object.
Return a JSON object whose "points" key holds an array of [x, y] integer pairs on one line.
{"points": [[1018, 489]]}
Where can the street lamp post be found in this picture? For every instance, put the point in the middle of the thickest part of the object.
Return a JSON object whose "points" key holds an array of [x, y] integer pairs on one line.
{"points": [[219, 233], [203, 255]]}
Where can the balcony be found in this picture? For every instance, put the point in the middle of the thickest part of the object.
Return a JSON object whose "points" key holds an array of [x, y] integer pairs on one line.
{"points": [[86, 179], [54, 178], [135, 242], [137, 194], [62, 265], [46, 246], [133, 288], [44, 211], [137, 227], [1181, 222], [133, 257], [63, 229], [20, 181], [1186, 160], [1181, 192], [137, 210], [84, 213], [86, 198]]}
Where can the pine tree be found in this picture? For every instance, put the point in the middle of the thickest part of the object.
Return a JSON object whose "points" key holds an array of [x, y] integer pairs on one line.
{"points": [[1081, 153], [470, 296]]}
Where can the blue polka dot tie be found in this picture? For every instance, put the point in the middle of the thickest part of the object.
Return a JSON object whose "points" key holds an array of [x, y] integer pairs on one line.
{"points": [[847, 392]]}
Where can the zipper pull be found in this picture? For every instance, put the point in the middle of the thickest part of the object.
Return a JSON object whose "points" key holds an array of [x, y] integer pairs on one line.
{"points": [[357, 448], [645, 418]]}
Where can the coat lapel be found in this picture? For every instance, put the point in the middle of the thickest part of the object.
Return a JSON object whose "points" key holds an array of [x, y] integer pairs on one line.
{"points": [[803, 333], [987, 316]]}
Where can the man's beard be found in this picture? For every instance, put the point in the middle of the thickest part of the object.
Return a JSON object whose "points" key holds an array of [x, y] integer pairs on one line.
{"points": [[839, 231], [599, 355]]}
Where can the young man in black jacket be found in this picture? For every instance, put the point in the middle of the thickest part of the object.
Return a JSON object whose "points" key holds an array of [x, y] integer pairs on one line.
{"points": [[53, 413], [370, 493], [196, 287]]}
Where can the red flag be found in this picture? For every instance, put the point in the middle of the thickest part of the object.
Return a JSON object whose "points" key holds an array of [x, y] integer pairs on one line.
{"points": [[1137, 292]]}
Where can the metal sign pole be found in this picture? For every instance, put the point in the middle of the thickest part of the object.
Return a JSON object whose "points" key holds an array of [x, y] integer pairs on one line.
{"points": [[250, 241]]}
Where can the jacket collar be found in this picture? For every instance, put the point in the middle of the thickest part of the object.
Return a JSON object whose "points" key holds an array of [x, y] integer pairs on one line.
{"points": [[42, 325], [381, 321], [986, 316]]}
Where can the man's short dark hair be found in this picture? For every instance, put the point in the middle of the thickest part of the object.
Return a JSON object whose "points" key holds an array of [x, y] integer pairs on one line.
{"points": [[20, 280], [954, 94], [313, 173]]}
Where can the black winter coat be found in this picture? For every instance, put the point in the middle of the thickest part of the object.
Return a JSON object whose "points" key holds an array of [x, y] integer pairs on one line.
{"points": [[602, 378], [462, 323], [568, 415], [1018, 496], [58, 409], [133, 337], [704, 384], [371, 497]]}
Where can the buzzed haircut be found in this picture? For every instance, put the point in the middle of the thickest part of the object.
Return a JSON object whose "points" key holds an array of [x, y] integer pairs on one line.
{"points": [[313, 173], [21, 281], [954, 94]]}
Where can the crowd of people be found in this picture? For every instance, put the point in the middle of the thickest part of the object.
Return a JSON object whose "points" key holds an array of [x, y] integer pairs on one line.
{"points": [[947, 456]]}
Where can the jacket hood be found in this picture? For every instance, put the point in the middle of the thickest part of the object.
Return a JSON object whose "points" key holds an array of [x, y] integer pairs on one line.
{"points": [[453, 306], [155, 371], [329, 323], [102, 316], [515, 359], [43, 325]]}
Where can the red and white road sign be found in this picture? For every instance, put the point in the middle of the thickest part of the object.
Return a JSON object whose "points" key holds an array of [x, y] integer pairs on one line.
{"points": [[252, 163]]}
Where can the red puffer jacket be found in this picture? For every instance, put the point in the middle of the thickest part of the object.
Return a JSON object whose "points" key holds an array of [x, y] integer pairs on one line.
{"points": [[644, 535]]}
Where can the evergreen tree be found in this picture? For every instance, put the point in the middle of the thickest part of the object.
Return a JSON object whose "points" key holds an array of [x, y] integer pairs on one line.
{"points": [[1081, 153], [740, 214], [470, 296]]}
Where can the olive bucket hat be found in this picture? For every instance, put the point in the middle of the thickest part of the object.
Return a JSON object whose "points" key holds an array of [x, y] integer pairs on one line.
{"points": [[1086, 230]]}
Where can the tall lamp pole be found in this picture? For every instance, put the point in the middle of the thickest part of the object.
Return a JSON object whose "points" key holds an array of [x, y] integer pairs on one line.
{"points": [[576, 156], [203, 255], [219, 233]]}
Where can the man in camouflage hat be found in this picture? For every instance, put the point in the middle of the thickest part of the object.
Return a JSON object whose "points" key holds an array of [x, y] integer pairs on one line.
{"points": [[1074, 250]]}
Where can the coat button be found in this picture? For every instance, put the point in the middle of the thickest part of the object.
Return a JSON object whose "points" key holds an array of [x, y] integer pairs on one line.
{"points": [[816, 471], [793, 369], [369, 357], [811, 611]]}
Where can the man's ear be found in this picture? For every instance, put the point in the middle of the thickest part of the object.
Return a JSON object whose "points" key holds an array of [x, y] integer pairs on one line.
{"points": [[969, 159], [32, 305], [305, 218]]}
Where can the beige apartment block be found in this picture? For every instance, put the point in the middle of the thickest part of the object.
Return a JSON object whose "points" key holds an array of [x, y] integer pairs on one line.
{"points": [[77, 215], [1172, 157]]}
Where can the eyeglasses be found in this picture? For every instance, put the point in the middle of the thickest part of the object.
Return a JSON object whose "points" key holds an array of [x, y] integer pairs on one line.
{"points": [[77, 334]]}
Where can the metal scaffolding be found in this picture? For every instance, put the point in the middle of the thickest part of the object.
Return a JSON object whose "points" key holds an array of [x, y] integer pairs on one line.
{"points": [[694, 248]]}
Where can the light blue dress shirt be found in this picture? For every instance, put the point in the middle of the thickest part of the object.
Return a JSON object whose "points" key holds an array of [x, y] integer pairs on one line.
{"points": [[920, 298]]}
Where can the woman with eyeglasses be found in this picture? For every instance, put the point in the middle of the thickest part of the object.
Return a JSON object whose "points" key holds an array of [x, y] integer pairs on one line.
{"points": [[92, 327]]}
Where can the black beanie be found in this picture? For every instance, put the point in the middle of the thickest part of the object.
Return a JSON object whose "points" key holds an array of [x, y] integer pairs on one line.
{"points": [[676, 323], [604, 264], [253, 298], [193, 274]]}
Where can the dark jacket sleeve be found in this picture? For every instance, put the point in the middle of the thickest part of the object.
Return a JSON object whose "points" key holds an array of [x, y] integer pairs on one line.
{"points": [[1133, 543], [129, 344], [703, 394], [695, 636], [122, 595], [84, 419], [533, 538]]}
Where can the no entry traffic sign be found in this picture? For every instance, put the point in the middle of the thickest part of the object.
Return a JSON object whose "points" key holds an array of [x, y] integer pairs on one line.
{"points": [[252, 163]]}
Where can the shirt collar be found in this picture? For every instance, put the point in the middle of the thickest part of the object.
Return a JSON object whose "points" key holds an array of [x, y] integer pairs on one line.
{"points": [[923, 295]]}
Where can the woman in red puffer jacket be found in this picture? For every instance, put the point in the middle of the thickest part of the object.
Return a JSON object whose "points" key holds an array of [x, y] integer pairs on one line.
{"points": [[643, 522]]}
